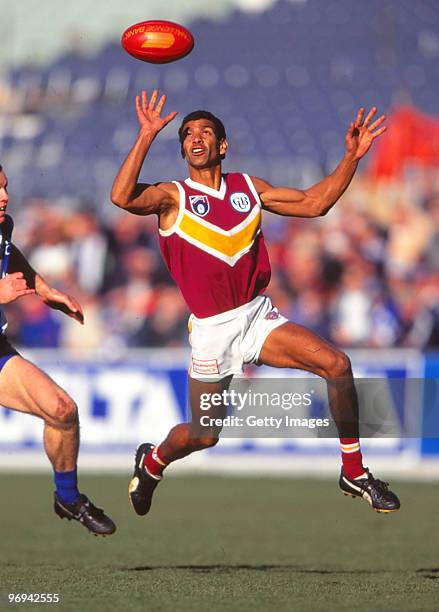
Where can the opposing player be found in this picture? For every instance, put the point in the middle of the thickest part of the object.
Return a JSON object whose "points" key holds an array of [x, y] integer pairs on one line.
{"points": [[211, 240], [25, 388]]}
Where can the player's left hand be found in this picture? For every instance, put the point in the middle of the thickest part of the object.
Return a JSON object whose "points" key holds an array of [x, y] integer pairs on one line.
{"points": [[361, 134], [65, 303]]}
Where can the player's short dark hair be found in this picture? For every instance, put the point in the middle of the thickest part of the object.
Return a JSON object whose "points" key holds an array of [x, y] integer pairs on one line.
{"points": [[218, 126]]}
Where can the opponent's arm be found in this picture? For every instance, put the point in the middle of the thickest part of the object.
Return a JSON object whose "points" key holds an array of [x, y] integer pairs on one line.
{"points": [[321, 197], [28, 281], [127, 193]]}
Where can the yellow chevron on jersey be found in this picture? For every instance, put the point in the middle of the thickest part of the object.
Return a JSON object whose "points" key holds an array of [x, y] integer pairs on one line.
{"points": [[227, 245]]}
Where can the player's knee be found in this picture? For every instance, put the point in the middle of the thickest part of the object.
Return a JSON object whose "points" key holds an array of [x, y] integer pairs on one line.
{"points": [[207, 441], [339, 366], [66, 412]]}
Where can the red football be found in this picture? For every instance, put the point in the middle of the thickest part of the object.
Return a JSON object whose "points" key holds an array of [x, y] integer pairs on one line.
{"points": [[157, 41]]}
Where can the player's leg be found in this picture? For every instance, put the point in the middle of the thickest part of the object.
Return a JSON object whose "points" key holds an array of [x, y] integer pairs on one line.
{"points": [[200, 432], [293, 346], [26, 388]]}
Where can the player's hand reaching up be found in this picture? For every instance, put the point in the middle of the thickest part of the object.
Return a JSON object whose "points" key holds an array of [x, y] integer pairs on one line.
{"points": [[13, 286], [362, 133], [149, 113]]}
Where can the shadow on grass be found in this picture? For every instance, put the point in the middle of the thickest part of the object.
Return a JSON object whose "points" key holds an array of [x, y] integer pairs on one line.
{"points": [[432, 573], [223, 568]]}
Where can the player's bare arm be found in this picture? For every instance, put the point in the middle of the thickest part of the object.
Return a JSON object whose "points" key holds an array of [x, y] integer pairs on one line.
{"points": [[24, 280], [127, 192], [321, 197]]}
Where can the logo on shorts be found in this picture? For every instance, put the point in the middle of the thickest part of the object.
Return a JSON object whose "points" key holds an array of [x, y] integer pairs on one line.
{"points": [[272, 315], [200, 204], [205, 366], [240, 202]]}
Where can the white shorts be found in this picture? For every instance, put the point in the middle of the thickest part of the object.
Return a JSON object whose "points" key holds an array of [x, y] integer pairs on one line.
{"points": [[222, 344]]}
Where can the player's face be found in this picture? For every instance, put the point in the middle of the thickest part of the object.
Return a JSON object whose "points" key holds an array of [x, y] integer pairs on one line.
{"points": [[4, 196], [201, 147]]}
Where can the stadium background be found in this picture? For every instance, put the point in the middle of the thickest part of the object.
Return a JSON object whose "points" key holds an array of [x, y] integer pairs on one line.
{"points": [[286, 83]]}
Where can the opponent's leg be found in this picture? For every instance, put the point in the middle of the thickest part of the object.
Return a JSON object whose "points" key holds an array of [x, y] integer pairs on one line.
{"points": [[182, 440], [26, 388], [294, 346]]}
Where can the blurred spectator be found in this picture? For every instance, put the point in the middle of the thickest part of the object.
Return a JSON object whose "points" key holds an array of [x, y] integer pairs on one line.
{"points": [[167, 324], [39, 326], [126, 233], [432, 246], [352, 312], [88, 250], [50, 254]]}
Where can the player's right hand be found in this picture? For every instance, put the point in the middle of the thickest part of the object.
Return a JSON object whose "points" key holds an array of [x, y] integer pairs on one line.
{"points": [[148, 113], [13, 286]]}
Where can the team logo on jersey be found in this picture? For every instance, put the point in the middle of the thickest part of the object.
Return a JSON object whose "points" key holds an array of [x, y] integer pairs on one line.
{"points": [[200, 204], [240, 202], [272, 315]]}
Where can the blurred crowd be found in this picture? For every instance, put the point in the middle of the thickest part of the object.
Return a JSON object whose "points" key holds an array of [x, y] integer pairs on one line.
{"points": [[365, 275]]}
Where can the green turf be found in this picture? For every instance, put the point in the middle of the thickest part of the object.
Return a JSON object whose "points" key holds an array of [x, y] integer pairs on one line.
{"points": [[215, 543]]}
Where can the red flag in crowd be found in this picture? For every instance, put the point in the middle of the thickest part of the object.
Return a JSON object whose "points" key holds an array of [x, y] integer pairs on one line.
{"points": [[412, 137]]}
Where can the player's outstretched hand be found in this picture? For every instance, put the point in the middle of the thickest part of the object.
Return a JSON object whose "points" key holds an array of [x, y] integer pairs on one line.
{"points": [[13, 286], [149, 113], [65, 303], [362, 133]]}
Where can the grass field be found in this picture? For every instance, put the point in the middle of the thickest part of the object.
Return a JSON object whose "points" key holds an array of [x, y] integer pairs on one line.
{"points": [[211, 544]]}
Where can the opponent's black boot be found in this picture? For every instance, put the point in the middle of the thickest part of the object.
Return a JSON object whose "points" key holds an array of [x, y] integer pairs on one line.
{"points": [[94, 519]]}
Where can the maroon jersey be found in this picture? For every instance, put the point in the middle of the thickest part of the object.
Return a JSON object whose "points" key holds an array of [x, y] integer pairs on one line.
{"points": [[215, 250]]}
